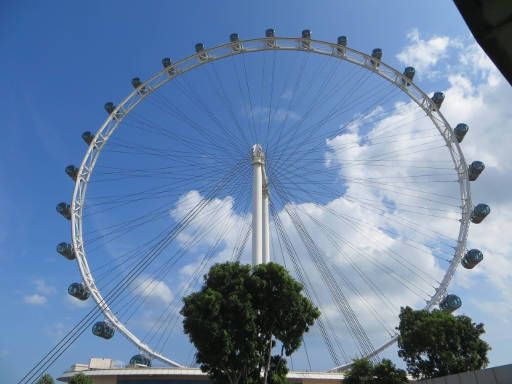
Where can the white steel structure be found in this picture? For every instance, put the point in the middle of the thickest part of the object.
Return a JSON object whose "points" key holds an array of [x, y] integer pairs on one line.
{"points": [[260, 213], [260, 190]]}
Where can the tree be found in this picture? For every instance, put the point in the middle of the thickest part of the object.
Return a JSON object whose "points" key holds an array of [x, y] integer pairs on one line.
{"points": [[45, 379], [387, 373], [437, 343], [364, 371], [80, 379], [361, 371], [239, 315]]}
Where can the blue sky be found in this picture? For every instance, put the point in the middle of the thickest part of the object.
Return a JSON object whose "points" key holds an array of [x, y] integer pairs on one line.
{"points": [[63, 60]]}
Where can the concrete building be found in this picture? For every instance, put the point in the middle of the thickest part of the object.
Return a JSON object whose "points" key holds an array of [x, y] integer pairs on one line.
{"points": [[495, 375], [104, 371]]}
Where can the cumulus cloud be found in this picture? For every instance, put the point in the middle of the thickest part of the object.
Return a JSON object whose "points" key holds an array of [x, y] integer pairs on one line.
{"points": [[43, 287], [153, 289], [35, 299], [43, 290], [425, 54]]}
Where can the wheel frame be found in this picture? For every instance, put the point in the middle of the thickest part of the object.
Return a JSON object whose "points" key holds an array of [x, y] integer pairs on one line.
{"points": [[222, 51]]}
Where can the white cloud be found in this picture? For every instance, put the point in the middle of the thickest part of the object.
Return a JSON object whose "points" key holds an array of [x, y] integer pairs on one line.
{"points": [[43, 290], [153, 289], [425, 54], [35, 299], [74, 302], [43, 287]]}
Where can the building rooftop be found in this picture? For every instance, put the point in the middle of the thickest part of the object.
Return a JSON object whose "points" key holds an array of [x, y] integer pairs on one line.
{"points": [[105, 371]]}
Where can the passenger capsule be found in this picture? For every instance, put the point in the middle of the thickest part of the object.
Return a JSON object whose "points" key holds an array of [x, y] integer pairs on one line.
{"points": [[306, 38], [109, 107], [450, 303], [342, 43], [438, 99], [342, 40], [166, 62], [235, 42], [136, 83], [66, 250], [479, 213], [140, 360], [270, 41], [72, 171], [88, 137], [200, 52], [475, 169], [79, 291], [472, 258], [199, 47], [460, 131], [409, 74], [376, 54], [64, 209], [103, 329]]}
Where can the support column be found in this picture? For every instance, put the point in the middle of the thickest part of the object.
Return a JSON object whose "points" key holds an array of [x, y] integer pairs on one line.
{"points": [[257, 204], [266, 230]]}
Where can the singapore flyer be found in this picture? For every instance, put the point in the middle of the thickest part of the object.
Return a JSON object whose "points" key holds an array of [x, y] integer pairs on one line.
{"points": [[303, 152]]}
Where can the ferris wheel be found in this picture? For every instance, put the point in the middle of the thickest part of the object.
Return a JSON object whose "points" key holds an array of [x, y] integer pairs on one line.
{"points": [[286, 149]]}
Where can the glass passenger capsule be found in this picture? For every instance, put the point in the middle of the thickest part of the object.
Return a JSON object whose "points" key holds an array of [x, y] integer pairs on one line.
{"points": [[342, 43], [306, 38], [479, 213], [72, 171], [201, 54], [140, 360], [376, 54], [103, 329], [342, 40], [109, 107], [88, 137], [475, 169], [235, 42], [269, 35], [136, 83], [438, 99], [472, 258], [460, 131], [66, 250], [79, 291], [450, 303], [167, 64], [64, 209], [409, 74]]}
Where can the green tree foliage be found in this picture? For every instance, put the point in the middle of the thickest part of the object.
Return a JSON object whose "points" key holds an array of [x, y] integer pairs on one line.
{"points": [[45, 379], [387, 373], [364, 371], [80, 379], [238, 316], [361, 371], [437, 343]]}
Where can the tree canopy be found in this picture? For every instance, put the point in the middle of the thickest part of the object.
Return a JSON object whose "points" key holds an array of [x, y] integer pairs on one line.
{"points": [[437, 343], [240, 314], [364, 371], [80, 379], [45, 379]]}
